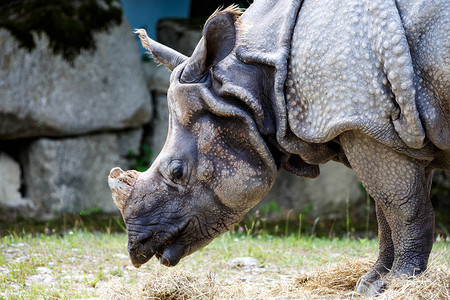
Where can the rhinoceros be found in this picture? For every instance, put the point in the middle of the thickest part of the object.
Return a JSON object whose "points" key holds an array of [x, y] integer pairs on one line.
{"points": [[290, 85]]}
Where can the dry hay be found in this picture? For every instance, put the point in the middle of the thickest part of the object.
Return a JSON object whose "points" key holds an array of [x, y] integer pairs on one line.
{"points": [[168, 284], [175, 284], [334, 281], [337, 278], [116, 290], [434, 283], [341, 279]]}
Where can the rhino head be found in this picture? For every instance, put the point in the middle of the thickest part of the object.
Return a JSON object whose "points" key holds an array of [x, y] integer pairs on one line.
{"points": [[214, 166]]}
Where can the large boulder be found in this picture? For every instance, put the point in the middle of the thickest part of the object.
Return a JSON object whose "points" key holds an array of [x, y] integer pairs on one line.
{"points": [[41, 94], [159, 125], [70, 175], [157, 78]]}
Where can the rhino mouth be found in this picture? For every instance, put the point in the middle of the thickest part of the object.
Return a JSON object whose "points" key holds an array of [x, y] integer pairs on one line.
{"points": [[168, 249]]}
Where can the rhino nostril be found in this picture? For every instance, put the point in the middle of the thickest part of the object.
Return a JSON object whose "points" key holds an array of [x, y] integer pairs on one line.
{"points": [[140, 242], [132, 246]]}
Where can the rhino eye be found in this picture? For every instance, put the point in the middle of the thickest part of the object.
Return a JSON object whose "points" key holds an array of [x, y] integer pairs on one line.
{"points": [[176, 170]]}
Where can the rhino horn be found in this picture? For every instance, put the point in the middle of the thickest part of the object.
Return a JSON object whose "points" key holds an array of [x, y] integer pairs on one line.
{"points": [[122, 184], [162, 54], [219, 38]]}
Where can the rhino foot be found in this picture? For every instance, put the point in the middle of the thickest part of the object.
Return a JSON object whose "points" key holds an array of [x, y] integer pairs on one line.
{"points": [[374, 281]]}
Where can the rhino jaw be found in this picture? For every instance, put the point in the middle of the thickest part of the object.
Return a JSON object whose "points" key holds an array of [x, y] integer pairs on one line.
{"points": [[122, 184]]}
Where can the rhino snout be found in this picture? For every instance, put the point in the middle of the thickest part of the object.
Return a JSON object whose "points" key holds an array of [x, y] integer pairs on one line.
{"points": [[122, 184]]}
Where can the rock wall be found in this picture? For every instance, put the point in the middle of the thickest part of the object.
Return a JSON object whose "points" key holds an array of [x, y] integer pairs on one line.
{"points": [[63, 126], [10, 176], [158, 83]]}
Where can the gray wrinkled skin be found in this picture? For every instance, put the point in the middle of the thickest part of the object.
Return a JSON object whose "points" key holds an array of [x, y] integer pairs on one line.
{"points": [[292, 84]]}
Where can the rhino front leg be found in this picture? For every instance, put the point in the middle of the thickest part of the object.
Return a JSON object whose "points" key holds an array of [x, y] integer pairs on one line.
{"points": [[400, 186]]}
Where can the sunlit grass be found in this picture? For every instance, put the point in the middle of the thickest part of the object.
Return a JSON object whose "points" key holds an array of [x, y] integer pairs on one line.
{"points": [[77, 264]]}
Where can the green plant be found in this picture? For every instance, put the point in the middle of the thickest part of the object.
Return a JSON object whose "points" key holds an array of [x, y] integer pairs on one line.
{"points": [[313, 229], [308, 209], [286, 225], [270, 207], [347, 215], [299, 234], [89, 212], [143, 159]]}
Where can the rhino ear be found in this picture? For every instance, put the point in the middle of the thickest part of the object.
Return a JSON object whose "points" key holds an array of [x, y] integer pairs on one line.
{"points": [[219, 37], [162, 54]]}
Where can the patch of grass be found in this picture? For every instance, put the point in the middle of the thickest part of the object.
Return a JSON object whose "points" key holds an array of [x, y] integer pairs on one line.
{"points": [[90, 220], [58, 266], [83, 264]]}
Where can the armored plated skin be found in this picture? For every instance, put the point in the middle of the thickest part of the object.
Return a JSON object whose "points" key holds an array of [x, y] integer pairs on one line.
{"points": [[294, 84]]}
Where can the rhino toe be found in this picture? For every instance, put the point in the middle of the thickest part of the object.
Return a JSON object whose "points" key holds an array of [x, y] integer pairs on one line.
{"points": [[370, 289]]}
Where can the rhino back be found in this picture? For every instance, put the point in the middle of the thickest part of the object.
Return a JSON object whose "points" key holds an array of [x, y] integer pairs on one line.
{"points": [[350, 68]]}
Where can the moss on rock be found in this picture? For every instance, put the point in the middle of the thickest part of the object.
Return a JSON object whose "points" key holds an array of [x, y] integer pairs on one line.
{"points": [[68, 24]]}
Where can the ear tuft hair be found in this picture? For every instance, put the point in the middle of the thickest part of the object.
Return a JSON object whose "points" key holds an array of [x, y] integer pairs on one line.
{"points": [[233, 9]]}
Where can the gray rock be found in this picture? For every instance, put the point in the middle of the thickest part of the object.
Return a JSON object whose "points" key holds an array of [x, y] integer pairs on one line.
{"points": [[244, 262], [9, 181], [12, 203], [129, 141], [69, 175], [42, 94], [158, 126], [157, 77], [178, 34]]}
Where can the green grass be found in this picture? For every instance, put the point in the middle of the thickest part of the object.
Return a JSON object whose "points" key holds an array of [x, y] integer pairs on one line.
{"points": [[77, 264]]}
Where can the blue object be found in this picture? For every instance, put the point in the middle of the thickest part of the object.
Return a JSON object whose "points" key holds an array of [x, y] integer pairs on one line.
{"points": [[146, 13]]}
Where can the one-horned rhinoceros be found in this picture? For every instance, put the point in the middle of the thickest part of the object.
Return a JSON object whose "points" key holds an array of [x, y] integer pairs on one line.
{"points": [[293, 84]]}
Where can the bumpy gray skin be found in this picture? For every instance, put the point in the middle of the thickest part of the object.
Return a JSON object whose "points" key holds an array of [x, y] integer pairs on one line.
{"points": [[292, 84]]}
